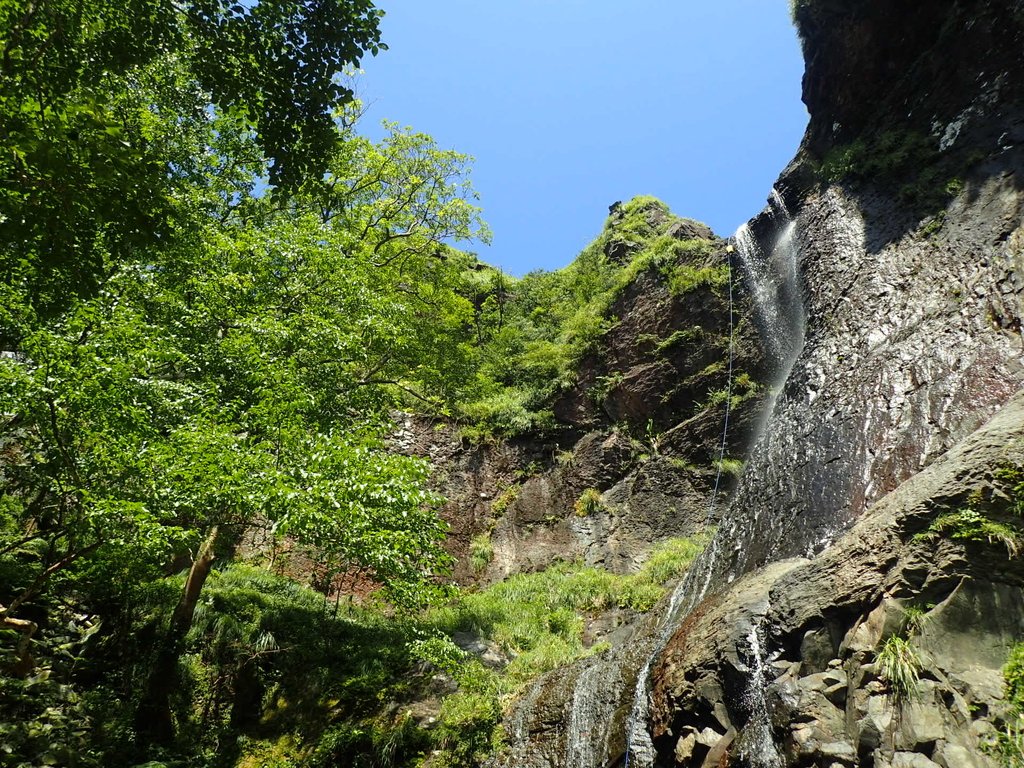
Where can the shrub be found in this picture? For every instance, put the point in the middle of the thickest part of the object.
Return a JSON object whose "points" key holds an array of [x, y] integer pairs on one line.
{"points": [[686, 277], [900, 665], [588, 503]]}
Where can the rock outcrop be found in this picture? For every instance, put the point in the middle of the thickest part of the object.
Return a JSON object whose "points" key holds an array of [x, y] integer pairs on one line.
{"points": [[910, 212], [821, 627], [641, 426]]}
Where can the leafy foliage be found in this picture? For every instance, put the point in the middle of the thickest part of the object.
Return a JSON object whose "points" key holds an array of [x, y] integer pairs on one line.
{"points": [[900, 665], [106, 109], [531, 332], [537, 620], [984, 520], [588, 503], [1008, 746], [972, 525], [186, 353]]}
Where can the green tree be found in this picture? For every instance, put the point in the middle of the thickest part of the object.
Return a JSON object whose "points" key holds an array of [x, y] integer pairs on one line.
{"points": [[184, 357], [100, 103]]}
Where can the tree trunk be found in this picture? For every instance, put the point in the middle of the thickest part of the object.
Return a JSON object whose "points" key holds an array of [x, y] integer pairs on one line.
{"points": [[24, 665], [153, 720]]}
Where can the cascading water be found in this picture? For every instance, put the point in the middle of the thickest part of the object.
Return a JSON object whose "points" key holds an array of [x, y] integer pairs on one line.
{"points": [[772, 275], [759, 750], [580, 748], [770, 272]]}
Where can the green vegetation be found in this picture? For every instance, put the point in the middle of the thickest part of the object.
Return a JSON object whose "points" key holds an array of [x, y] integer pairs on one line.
{"points": [[980, 521], [730, 466], [481, 552], [1008, 746], [505, 499], [908, 161], [743, 388], [588, 503], [898, 661], [531, 333], [265, 668], [972, 525], [216, 291], [273, 674], [900, 666], [537, 620]]}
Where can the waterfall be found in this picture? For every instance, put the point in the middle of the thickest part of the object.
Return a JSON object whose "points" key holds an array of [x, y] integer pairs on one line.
{"points": [[767, 261], [773, 278], [771, 272], [583, 717]]}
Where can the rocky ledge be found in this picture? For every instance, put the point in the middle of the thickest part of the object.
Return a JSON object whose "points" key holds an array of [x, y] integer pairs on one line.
{"points": [[788, 666]]}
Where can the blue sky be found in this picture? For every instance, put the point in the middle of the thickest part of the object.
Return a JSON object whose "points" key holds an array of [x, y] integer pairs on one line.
{"points": [[570, 105]]}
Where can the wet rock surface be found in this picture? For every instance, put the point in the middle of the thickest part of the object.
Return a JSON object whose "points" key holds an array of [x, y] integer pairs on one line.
{"points": [[826, 620]]}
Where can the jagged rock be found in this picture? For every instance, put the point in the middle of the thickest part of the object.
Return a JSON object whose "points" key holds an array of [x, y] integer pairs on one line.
{"points": [[688, 229], [489, 653], [839, 751], [922, 721], [873, 562], [816, 650], [685, 746], [954, 756], [911, 760], [873, 716]]}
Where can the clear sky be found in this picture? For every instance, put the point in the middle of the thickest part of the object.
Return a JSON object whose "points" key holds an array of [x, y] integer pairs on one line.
{"points": [[570, 105]]}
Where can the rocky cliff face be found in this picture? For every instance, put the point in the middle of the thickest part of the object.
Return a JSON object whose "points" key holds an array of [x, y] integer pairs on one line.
{"points": [[910, 210], [785, 668], [911, 274], [898, 409], [640, 431]]}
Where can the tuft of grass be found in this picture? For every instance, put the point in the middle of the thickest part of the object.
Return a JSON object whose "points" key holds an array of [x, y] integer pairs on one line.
{"points": [[687, 277], [730, 466], [915, 617], [505, 499], [588, 503], [900, 665], [969, 524], [481, 552]]}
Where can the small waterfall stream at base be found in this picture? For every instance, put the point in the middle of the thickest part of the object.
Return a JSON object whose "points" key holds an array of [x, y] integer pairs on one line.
{"points": [[760, 750]]}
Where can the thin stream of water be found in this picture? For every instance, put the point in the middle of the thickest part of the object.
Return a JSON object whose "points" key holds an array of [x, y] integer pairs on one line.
{"points": [[760, 750], [772, 276]]}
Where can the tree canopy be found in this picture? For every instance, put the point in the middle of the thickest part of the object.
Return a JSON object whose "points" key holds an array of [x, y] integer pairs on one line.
{"points": [[214, 291], [103, 105]]}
